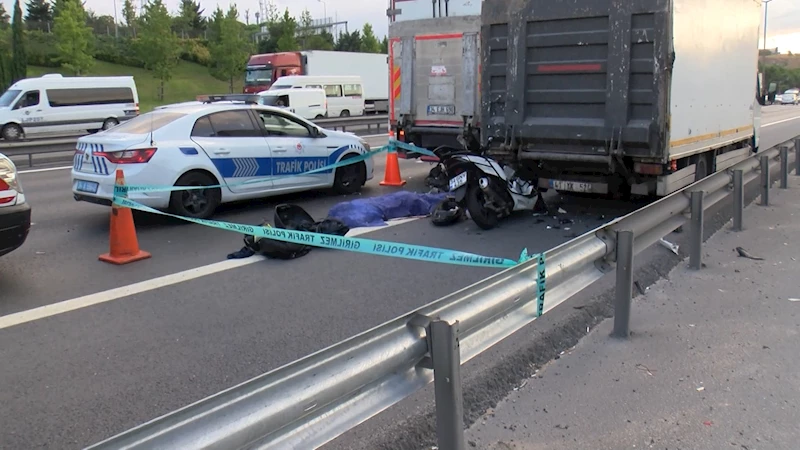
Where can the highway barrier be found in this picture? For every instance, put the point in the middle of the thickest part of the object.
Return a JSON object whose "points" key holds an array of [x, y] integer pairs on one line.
{"points": [[311, 401], [51, 147]]}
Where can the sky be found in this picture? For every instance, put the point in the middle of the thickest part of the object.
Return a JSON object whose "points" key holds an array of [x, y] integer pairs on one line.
{"points": [[783, 22]]}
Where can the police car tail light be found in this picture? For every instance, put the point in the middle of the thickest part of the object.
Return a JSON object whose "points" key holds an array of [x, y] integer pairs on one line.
{"points": [[130, 156]]}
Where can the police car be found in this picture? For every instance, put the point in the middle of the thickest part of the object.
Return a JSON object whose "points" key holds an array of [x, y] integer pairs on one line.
{"points": [[251, 150]]}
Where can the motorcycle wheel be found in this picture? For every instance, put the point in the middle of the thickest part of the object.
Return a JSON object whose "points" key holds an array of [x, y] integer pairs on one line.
{"points": [[485, 218]]}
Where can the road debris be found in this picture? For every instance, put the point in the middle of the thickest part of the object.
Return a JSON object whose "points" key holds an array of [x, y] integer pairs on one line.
{"points": [[669, 245], [743, 253]]}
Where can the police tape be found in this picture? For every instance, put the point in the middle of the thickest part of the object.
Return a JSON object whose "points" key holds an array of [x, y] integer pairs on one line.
{"points": [[352, 244]]}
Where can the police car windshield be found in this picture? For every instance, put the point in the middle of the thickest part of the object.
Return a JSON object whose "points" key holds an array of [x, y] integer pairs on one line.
{"points": [[8, 98], [146, 123]]}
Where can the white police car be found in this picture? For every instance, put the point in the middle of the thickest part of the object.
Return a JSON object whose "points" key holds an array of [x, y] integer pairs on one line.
{"points": [[227, 140]]}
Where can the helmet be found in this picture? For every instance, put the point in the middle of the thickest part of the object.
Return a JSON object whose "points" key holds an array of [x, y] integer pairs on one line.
{"points": [[447, 212]]}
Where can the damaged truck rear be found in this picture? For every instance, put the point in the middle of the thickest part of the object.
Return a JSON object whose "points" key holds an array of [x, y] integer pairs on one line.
{"points": [[620, 97]]}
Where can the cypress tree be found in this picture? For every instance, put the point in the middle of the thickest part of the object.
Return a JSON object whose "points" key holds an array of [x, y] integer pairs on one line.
{"points": [[19, 61]]}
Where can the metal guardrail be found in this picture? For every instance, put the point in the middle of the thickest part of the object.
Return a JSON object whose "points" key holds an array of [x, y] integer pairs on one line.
{"points": [[311, 401], [35, 147]]}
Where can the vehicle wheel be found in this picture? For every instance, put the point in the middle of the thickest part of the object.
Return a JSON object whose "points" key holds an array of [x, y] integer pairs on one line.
{"points": [[319, 116], [701, 167], [195, 203], [12, 132], [345, 113], [110, 123], [350, 178], [482, 217]]}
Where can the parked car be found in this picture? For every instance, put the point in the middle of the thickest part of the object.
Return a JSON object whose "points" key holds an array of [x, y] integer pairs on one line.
{"points": [[791, 97], [15, 213]]}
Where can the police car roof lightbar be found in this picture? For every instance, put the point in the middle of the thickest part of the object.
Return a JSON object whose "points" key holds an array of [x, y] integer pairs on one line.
{"points": [[251, 99]]}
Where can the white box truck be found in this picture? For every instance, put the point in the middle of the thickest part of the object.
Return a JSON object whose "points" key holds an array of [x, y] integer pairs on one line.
{"points": [[373, 68], [623, 97]]}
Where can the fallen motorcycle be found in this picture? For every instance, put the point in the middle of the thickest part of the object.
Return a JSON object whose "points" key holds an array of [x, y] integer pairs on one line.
{"points": [[488, 190]]}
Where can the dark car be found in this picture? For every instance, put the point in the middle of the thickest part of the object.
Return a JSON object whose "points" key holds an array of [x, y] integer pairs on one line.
{"points": [[15, 213]]}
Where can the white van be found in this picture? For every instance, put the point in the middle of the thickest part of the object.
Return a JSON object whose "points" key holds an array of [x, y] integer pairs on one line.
{"points": [[57, 104], [307, 103], [345, 93]]}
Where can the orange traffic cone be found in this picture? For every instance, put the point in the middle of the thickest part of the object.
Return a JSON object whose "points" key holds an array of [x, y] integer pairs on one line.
{"points": [[391, 175], [124, 246]]}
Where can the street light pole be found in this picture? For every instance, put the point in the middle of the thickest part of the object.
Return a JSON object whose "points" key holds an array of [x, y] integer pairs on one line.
{"points": [[766, 15], [116, 21]]}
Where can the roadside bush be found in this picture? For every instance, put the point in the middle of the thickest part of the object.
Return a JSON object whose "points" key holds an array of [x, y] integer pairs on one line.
{"points": [[196, 51], [122, 51], [41, 49]]}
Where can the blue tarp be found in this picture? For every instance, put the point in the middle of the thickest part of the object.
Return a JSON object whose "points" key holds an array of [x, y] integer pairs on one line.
{"points": [[375, 211]]}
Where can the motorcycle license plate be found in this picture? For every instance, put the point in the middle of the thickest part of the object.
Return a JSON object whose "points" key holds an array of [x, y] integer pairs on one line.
{"points": [[458, 181]]}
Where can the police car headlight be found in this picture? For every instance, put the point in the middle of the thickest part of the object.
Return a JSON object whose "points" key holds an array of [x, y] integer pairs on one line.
{"points": [[364, 144]]}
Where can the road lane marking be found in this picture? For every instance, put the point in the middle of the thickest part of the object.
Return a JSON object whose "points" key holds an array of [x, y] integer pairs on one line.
{"points": [[54, 309], [779, 122], [49, 169]]}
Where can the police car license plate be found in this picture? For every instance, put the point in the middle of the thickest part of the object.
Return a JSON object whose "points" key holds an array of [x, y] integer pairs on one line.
{"points": [[86, 186], [458, 181]]}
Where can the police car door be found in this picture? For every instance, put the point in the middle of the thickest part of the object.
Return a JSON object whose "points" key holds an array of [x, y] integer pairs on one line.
{"points": [[236, 146], [294, 152]]}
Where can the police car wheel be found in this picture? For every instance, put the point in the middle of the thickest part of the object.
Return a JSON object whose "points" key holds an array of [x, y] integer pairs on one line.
{"points": [[12, 132], [350, 178], [195, 203]]}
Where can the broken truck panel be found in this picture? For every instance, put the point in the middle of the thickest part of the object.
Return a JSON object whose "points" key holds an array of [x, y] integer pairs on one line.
{"points": [[577, 77], [643, 90]]}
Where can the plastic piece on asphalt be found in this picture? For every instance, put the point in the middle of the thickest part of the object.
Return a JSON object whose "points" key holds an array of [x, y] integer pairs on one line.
{"points": [[123, 243], [391, 175]]}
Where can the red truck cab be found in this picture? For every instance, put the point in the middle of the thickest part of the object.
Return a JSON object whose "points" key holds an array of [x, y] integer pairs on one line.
{"points": [[262, 70]]}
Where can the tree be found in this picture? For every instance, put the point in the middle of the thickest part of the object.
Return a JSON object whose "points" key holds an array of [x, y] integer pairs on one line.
{"points": [[39, 15], [385, 45], [215, 25], [5, 70], [74, 40], [158, 46], [190, 21], [19, 59], [369, 43], [231, 51], [349, 42], [129, 13], [5, 21]]}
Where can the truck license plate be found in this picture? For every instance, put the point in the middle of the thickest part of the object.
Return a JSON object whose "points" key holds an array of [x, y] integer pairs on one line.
{"points": [[571, 186], [441, 110], [458, 181]]}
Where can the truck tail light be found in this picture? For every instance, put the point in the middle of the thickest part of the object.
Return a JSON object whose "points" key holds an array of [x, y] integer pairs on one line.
{"points": [[648, 169], [135, 156]]}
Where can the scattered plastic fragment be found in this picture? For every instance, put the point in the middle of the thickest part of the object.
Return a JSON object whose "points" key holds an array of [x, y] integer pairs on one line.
{"points": [[701, 389], [708, 423], [669, 245], [794, 299], [561, 211]]}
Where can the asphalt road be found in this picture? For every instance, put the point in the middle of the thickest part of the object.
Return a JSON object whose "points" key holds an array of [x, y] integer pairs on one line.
{"points": [[153, 336]]}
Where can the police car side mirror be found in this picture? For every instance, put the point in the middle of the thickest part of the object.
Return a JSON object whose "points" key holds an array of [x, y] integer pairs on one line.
{"points": [[316, 133]]}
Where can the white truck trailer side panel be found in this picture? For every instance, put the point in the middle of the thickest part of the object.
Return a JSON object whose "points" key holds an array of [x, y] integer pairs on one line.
{"points": [[373, 68], [713, 91]]}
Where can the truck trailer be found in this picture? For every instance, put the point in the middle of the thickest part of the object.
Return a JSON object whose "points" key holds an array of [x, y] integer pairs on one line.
{"points": [[434, 88], [620, 97], [373, 68]]}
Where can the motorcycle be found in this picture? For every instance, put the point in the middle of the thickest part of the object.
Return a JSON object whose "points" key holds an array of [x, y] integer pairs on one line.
{"points": [[488, 190]]}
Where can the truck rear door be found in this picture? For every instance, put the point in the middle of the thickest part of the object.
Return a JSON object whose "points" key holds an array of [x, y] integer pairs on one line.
{"points": [[583, 76]]}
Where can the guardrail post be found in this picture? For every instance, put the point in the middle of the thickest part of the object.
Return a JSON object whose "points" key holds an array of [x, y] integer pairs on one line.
{"points": [[696, 246], [624, 289], [784, 167], [738, 199], [797, 157], [446, 356], [764, 180]]}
